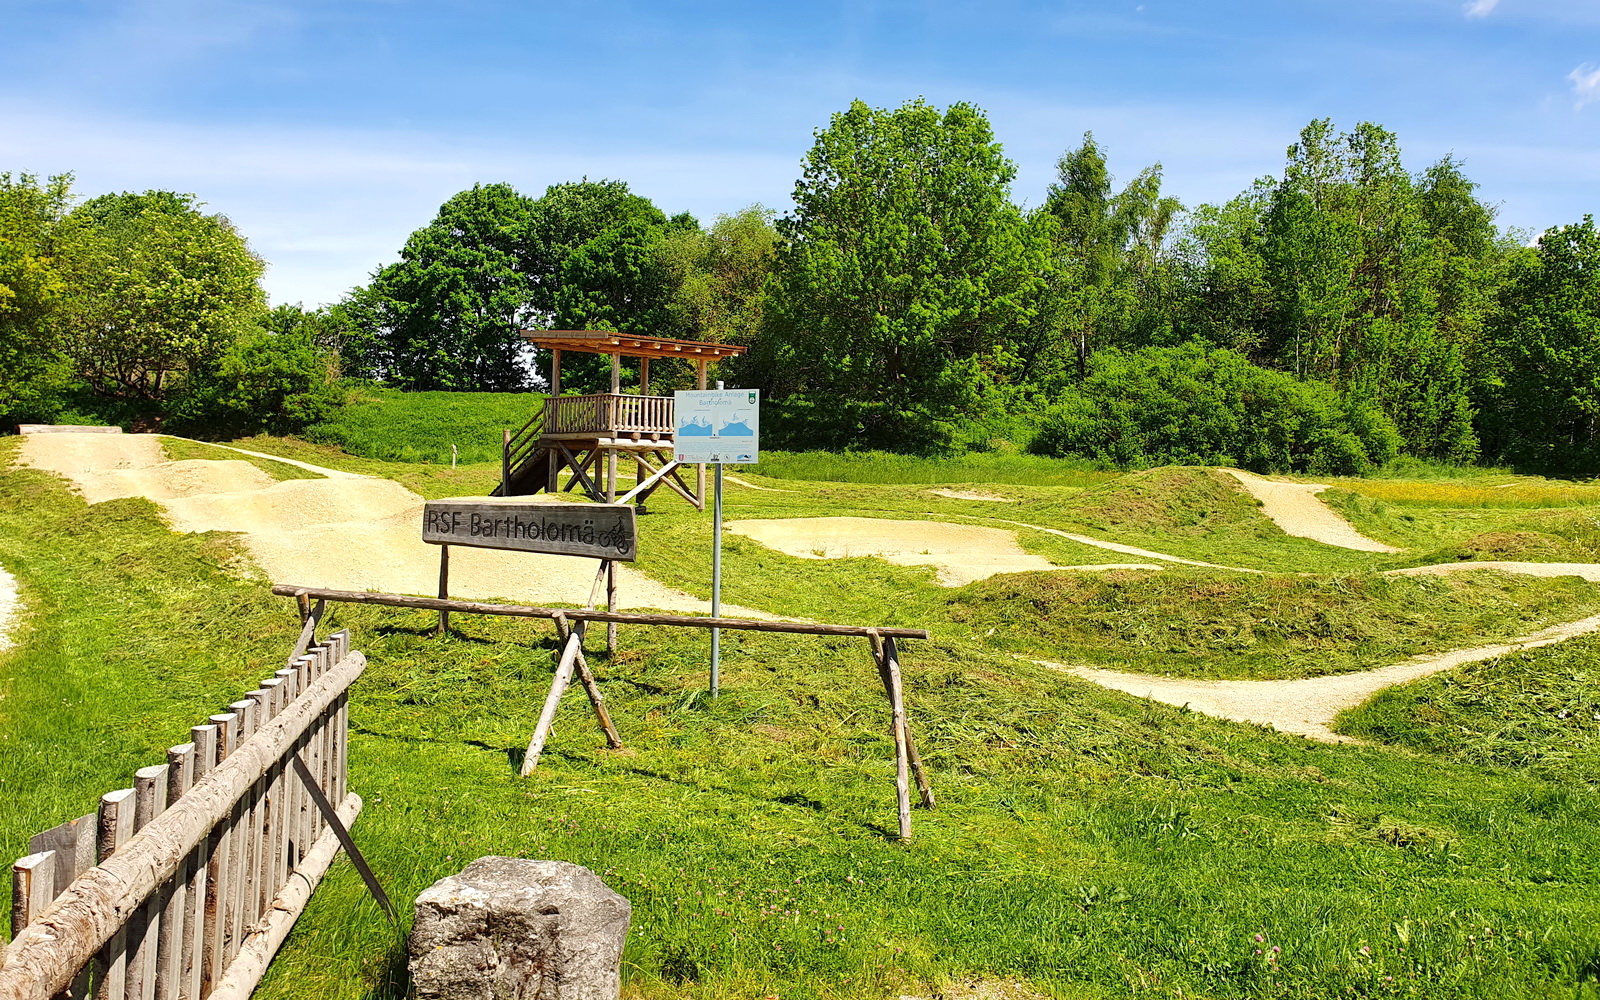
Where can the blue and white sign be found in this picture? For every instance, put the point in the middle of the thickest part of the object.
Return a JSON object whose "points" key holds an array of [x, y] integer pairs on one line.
{"points": [[718, 426]]}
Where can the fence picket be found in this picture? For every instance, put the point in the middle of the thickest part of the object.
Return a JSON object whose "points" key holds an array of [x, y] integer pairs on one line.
{"points": [[116, 827]]}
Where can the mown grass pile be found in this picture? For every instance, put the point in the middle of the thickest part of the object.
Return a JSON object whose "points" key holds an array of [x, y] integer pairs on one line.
{"points": [[1086, 843]]}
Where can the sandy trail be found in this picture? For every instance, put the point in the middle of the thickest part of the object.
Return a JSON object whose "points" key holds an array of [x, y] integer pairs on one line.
{"points": [[1127, 550], [1308, 706], [10, 606], [1294, 507], [330, 473], [345, 532], [962, 553]]}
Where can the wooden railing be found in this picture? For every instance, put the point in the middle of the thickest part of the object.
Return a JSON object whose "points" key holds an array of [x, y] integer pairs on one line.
{"points": [[609, 414], [186, 884]]}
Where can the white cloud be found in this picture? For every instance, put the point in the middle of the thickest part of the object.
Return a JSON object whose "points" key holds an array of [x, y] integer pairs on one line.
{"points": [[326, 207], [1585, 83], [1479, 8]]}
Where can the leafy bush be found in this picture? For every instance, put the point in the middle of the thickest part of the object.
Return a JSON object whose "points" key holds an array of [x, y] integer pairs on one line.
{"points": [[1191, 405], [266, 383]]}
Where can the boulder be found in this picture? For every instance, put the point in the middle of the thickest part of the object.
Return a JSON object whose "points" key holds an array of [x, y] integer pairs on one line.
{"points": [[517, 929]]}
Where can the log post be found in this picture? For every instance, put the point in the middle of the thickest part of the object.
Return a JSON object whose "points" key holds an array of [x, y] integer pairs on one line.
{"points": [[444, 588], [591, 687], [505, 462], [890, 673], [552, 701], [892, 656]]}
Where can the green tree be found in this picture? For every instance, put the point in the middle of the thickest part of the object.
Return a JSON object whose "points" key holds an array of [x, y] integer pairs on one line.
{"points": [[153, 290], [1542, 397], [33, 373], [718, 276], [904, 275], [1109, 249], [449, 313], [566, 218]]}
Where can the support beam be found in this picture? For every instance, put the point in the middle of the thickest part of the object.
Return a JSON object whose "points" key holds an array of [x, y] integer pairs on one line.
{"points": [[555, 372]]}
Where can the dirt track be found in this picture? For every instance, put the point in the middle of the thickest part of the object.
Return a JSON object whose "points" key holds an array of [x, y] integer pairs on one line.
{"points": [[1308, 706], [962, 553], [10, 604], [1294, 507], [347, 533]]}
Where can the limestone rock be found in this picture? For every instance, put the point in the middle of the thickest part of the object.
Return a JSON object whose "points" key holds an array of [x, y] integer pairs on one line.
{"points": [[518, 929]]}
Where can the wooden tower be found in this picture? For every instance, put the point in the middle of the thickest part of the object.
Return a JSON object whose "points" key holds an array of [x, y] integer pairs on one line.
{"points": [[589, 435]]}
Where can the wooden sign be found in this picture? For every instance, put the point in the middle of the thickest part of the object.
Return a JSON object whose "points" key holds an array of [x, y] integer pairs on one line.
{"points": [[596, 530]]}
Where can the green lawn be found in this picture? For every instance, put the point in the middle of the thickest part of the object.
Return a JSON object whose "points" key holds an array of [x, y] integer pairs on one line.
{"points": [[1087, 844]]}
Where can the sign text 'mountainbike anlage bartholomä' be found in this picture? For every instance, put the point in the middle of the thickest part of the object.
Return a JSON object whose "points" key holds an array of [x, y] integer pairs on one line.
{"points": [[596, 530]]}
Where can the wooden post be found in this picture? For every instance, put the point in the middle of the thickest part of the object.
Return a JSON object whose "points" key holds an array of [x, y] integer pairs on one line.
{"points": [[552, 701], [591, 687], [196, 906], [889, 671], [555, 372], [611, 605], [144, 925], [116, 827], [892, 657], [505, 462], [219, 884], [644, 376], [171, 944], [33, 887], [444, 588], [616, 374]]}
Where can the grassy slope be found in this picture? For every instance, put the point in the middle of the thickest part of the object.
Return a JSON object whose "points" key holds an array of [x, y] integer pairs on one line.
{"points": [[421, 426], [1535, 710], [1086, 842], [183, 449]]}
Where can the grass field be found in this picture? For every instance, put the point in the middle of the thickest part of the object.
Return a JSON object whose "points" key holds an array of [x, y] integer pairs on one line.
{"points": [[1087, 844]]}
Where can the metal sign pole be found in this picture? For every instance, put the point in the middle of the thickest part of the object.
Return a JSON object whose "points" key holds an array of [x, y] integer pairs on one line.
{"points": [[716, 581], [716, 575]]}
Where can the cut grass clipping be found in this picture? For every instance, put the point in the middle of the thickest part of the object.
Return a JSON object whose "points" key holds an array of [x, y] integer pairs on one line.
{"points": [[1537, 710], [1087, 844]]}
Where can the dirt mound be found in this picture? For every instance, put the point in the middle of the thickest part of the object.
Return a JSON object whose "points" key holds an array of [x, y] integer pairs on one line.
{"points": [[972, 495], [1171, 501], [961, 552], [188, 478]]}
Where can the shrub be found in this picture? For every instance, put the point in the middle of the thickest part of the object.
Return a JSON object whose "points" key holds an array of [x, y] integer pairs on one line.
{"points": [[1191, 405]]}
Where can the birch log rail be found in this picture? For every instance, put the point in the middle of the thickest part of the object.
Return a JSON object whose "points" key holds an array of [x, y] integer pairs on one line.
{"points": [[204, 863], [884, 653]]}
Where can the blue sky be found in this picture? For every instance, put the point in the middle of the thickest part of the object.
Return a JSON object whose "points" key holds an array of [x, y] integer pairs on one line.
{"points": [[328, 131]]}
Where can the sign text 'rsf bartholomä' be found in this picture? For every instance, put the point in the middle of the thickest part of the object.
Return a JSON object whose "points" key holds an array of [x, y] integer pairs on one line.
{"points": [[596, 530]]}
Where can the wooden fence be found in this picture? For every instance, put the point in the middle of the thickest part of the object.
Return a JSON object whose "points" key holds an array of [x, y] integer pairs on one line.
{"points": [[186, 884]]}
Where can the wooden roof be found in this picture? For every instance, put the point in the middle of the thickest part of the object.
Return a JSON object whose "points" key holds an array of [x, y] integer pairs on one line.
{"points": [[630, 345]]}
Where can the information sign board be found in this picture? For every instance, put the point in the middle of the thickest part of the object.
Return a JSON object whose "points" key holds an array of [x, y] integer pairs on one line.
{"points": [[717, 426], [596, 530]]}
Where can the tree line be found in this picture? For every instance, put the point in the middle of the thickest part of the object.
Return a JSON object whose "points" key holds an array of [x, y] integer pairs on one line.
{"points": [[1329, 318]]}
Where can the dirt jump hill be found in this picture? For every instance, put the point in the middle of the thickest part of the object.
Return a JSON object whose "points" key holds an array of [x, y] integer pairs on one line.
{"points": [[344, 531]]}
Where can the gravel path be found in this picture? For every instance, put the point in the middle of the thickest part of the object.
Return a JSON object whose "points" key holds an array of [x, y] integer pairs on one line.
{"points": [[1296, 509]]}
